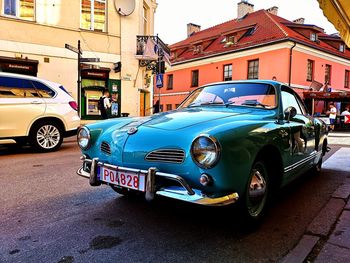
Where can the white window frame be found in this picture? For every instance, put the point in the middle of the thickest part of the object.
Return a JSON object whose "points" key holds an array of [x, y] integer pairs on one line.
{"points": [[17, 11], [92, 14]]}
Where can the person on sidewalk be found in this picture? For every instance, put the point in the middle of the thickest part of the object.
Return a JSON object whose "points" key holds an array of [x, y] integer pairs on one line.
{"points": [[104, 105], [332, 116]]}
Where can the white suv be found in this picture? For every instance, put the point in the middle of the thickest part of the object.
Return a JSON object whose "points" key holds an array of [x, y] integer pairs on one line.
{"points": [[36, 111]]}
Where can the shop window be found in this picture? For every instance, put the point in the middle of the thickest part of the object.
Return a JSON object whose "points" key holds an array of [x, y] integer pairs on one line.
{"points": [[194, 78], [328, 74], [170, 82], [346, 79], [227, 72], [169, 107], [253, 69], [23, 9], [93, 15], [310, 70]]}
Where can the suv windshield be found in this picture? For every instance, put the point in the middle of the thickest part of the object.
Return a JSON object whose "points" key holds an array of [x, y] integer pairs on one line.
{"points": [[246, 94]]}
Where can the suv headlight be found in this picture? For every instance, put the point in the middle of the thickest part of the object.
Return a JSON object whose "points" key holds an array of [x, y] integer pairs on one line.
{"points": [[205, 151], [84, 138]]}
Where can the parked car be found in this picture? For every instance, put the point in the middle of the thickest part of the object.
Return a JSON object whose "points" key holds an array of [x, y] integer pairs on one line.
{"points": [[37, 111], [227, 142]]}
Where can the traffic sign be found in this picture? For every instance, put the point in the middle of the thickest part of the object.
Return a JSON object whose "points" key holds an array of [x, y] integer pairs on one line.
{"points": [[71, 48], [89, 60], [159, 80]]}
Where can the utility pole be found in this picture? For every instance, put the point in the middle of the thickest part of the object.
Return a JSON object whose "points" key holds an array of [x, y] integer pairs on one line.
{"points": [[159, 62]]}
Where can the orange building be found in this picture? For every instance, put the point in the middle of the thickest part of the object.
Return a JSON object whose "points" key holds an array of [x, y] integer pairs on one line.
{"points": [[256, 45]]}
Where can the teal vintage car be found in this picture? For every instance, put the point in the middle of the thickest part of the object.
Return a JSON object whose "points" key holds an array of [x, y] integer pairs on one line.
{"points": [[227, 142]]}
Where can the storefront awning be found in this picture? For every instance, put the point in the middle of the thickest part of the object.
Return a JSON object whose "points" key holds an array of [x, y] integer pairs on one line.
{"points": [[338, 13]]}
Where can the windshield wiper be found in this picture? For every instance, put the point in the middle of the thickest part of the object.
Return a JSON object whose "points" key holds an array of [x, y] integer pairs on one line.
{"points": [[194, 104], [253, 103]]}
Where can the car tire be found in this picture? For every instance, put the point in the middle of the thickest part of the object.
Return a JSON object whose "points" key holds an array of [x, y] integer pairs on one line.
{"points": [[46, 136], [257, 194]]}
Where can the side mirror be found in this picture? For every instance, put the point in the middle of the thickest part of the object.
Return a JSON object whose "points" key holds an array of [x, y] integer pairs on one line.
{"points": [[289, 113]]}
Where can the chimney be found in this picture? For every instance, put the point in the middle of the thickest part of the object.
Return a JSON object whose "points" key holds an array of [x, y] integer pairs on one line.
{"points": [[192, 28], [244, 8], [299, 20], [273, 10]]}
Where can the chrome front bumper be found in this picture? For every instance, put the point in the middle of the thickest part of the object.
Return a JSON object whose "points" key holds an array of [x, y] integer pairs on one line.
{"points": [[183, 192]]}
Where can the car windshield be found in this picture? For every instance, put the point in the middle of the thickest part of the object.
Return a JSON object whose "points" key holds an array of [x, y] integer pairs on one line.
{"points": [[242, 94]]}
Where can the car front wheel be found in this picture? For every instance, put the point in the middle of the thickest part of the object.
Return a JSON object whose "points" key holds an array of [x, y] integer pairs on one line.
{"points": [[257, 193], [46, 137]]}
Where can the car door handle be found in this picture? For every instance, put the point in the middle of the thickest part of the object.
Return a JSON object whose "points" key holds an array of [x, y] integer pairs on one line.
{"points": [[36, 102]]}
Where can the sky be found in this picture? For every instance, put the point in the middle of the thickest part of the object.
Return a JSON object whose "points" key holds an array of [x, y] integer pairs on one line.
{"points": [[172, 17]]}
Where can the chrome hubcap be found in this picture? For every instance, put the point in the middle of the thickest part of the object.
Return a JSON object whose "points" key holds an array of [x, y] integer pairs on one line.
{"points": [[48, 136], [256, 193]]}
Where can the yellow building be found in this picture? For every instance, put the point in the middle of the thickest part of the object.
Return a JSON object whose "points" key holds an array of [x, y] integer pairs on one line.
{"points": [[33, 40]]}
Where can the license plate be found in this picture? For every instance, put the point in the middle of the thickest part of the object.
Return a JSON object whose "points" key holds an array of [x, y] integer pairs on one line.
{"points": [[124, 179]]}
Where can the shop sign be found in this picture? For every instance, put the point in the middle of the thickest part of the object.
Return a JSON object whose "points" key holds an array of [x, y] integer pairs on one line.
{"points": [[94, 74]]}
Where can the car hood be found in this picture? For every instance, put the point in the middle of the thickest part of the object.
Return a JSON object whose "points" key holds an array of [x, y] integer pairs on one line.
{"points": [[180, 119]]}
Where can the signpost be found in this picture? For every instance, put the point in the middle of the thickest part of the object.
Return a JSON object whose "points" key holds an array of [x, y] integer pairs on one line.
{"points": [[80, 60]]}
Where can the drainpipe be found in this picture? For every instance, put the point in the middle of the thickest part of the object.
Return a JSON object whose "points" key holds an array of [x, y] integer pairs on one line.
{"points": [[290, 62]]}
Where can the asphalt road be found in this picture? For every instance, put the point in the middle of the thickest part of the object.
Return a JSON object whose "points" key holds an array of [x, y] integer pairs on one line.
{"points": [[49, 214]]}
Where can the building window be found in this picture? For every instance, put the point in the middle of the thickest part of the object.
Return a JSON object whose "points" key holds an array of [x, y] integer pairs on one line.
{"points": [[346, 79], [227, 72], [145, 19], [253, 69], [170, 82], [177, 105], [23, 9], [313, 37], [169, 107], [328, 74], [93, 15], [310, 70], [342, 48], [194, 78]]}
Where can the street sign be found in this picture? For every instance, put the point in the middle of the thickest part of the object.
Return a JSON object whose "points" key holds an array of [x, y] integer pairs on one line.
{"points": [[89, 60], [71, 48], [159, 80]]}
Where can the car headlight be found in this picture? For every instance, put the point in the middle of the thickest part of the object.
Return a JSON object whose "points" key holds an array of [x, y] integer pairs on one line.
{"points": [[205, 151], [84, 138]]}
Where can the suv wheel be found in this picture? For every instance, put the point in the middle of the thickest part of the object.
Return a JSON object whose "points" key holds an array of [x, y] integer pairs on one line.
{"points": [[46, 137]]}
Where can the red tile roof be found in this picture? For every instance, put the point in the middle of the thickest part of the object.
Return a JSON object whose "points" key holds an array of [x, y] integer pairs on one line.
{"points": [[268, 28]]}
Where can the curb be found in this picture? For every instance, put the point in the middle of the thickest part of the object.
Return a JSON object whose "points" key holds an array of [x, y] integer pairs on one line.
{"points": [[315, 241]]}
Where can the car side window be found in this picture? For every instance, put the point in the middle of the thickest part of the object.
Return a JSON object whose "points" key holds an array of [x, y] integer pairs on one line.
{"points": [[288, 99], [16, 88], [43, 90]]}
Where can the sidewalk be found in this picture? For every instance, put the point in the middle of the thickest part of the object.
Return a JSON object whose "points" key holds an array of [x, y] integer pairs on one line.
{"points": [[327, 238]]}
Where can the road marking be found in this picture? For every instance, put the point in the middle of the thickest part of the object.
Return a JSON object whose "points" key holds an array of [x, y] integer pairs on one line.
{"points": [[339, 161]]}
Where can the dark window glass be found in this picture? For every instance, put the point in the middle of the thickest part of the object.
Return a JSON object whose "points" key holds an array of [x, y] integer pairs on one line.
{"points": [[346, 79], [169, 107], [194, 78], [177, 105], [310, 70], [16, 88], [10, 7], [170, 82], [253, 69], [43, 90], [328, 74], [227, 72]]}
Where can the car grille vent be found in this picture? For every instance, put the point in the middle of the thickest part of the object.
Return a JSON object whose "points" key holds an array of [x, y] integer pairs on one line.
{"points": [[106, 148], [166, 155]]}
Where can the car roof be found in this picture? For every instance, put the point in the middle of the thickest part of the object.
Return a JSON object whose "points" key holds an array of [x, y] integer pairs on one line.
{"points": [[262, 81]]}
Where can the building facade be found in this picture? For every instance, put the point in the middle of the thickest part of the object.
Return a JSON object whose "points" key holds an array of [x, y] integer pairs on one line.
{"points": [[34, 35], [256, 45]]}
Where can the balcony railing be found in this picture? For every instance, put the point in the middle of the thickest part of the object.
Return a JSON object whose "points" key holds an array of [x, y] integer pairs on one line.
{"points": [[145, 43]]}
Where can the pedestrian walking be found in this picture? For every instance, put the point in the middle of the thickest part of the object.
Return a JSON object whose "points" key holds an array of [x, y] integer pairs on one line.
{"points": [[104, 105]]}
